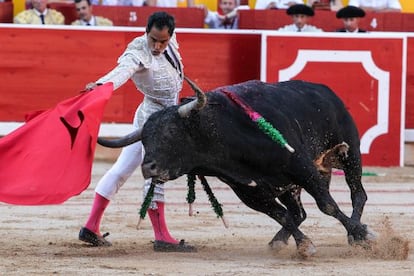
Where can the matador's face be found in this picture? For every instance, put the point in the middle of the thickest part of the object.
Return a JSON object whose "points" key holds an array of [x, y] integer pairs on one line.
{"points": [[158, 40]]}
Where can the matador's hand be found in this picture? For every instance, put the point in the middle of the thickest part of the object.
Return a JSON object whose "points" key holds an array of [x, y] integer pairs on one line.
{"points": [[89, 87]]}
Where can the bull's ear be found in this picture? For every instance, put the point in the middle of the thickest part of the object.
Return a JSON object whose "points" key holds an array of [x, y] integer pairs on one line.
{"points": [[129, 139], [196, 104]]}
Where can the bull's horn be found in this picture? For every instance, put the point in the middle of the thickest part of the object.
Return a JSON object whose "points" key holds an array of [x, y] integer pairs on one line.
{"points": [[195, 104], [123, 141]]}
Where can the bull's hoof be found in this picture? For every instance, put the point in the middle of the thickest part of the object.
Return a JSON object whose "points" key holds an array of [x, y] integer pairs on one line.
{"points": [[365, 244], [371, 235], [364, 238], [306, 248], [277, 245]]}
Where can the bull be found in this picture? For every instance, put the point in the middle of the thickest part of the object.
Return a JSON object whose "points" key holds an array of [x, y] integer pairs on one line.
{"points": [[211, 135]]}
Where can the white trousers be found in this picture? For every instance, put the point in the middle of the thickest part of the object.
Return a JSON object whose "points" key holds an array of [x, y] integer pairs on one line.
{"points": [[130, 158]]}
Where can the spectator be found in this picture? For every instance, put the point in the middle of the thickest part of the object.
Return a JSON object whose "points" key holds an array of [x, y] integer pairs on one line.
{"points": [[86, 17], [332, 5], [300, 14], [152, 61], [167, 3], [227, 20], [276, 4], [39, 14], [351, 16], [377, 5]]}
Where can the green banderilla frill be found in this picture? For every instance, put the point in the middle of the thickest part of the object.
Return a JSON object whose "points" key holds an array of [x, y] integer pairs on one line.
{"points": [[273, 133], [146, 203], [217, 207], [214, 202]]}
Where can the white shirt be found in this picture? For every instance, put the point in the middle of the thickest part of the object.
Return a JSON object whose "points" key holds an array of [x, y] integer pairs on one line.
{"points": [[91, 22], [376, 4], [280, 4], [293, 28], [152, 75], [213, 21]]}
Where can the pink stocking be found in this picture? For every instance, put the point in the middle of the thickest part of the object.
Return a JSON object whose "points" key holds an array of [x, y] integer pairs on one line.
{"points": [[98, 208], [159, 225]]}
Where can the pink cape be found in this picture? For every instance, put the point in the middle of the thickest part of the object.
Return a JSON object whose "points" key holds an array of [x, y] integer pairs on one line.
{"points": [[49, 159]]}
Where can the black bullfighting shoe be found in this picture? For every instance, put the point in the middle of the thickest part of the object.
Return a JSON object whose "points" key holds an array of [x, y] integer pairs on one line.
{"points": [[162, 246], [88, 236]]}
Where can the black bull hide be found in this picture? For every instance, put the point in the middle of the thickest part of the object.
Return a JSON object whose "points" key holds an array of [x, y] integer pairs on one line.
{"points": [[221, 140]]}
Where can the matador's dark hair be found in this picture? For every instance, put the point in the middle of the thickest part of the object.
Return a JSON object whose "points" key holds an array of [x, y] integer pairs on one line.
{"points": [[160, 20]]}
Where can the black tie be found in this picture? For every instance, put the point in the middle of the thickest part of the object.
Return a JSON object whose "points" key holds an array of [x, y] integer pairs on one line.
{"points": [[168, 57], [42, 18]]}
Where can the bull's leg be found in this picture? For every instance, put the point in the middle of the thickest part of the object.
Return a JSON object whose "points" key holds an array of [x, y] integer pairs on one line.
{"points": [[348, 158], [353, 172], [290, 222], [291, 199], [315, 184], [260, 200]]}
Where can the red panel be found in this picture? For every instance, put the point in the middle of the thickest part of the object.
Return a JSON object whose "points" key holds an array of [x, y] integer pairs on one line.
{"points": [[263, 19], [325, 20], [392, 22], [351, 82], [214, 60], [408, 22], [6, 12]]}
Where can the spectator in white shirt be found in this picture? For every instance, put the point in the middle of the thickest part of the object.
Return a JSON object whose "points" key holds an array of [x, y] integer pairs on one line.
{"points": [[227, 19], [300, 14], [276, 4]]}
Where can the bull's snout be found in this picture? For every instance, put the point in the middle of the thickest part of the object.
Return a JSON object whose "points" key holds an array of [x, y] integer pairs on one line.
{"points": [[149, 169]]}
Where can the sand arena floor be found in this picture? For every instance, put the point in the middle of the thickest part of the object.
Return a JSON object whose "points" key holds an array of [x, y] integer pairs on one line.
{"points": [[42, 240]]}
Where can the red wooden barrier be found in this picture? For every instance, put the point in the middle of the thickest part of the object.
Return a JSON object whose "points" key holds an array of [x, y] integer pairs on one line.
{"points": [[326, 20]]}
